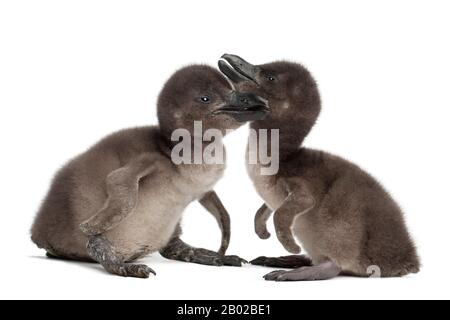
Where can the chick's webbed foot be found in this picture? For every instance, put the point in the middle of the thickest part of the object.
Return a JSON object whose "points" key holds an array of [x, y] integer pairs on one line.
{"points": [[102, 251], [179, 250], [323, 271], [292, 261]]}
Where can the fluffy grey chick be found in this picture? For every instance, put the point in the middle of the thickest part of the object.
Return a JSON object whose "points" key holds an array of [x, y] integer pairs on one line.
{"points": [[124, 197], [342, 216]]}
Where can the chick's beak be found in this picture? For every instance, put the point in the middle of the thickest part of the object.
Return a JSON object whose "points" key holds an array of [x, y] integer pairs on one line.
{"points": [[237, 69], [245, 107]]}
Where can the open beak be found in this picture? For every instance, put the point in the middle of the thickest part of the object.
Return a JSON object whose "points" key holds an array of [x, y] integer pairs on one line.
{"points": [[245, 107], [237, 69]]}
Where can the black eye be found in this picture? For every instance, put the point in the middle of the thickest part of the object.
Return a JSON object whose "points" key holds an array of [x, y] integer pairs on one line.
{"points": [[205, 99], [270, 78]]}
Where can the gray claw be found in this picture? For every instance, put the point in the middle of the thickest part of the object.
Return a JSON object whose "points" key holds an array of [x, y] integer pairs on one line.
{"points": [[274, 275], [138, 270], [234, 261]]}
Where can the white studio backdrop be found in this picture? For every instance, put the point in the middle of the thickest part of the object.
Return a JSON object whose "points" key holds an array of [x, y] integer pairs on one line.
{"points": [[72, 72]]}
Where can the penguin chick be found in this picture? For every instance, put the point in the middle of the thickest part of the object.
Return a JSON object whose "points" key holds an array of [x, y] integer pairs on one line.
{"points": [[124, 197], [343, 217]]}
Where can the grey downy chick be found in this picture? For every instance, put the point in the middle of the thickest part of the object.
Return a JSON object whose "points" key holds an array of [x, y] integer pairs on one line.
{"points": [[124, 197], [342, 216]]}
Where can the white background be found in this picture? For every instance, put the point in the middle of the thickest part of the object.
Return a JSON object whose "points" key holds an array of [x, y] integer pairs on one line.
{"points": [[72, 72]]}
